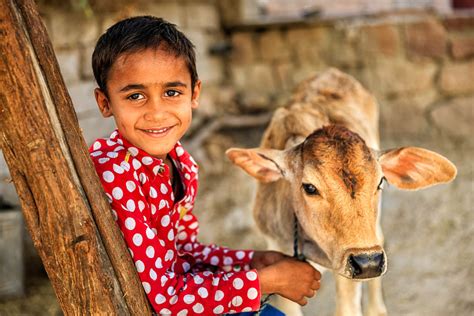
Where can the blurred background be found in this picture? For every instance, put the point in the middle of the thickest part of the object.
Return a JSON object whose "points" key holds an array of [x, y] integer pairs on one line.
{"points": [[416, 57]]}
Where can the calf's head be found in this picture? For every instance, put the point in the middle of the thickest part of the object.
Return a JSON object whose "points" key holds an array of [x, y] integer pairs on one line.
{"points": [[336, 183]]}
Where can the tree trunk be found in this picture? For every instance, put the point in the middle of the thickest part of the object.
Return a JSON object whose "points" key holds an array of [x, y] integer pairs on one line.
{"points": [[63, 203]]}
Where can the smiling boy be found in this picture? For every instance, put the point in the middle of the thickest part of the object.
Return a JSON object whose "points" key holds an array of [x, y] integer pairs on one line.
{"points": [[146, 73]]}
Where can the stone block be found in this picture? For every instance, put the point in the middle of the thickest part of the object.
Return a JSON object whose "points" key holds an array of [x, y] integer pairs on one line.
{"points": [[69, 64], [86, 72], [171, 11], [462, 47], [272, 46], [391, 77], [200, 40], [459, 23], [243, 48], [68, 29], [455, 117], [457, 78], [427, 38], [82, 95], [343, 48], [210, 69], [380, 39], [308, 45], [95, 126], [202, 16]]}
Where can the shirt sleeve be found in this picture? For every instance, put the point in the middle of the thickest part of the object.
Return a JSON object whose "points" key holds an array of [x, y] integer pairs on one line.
{"points": [[154, 252], [209, 254]]}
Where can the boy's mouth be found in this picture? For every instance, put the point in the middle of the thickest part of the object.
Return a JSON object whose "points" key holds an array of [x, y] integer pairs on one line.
{"points": [[157, 131]]}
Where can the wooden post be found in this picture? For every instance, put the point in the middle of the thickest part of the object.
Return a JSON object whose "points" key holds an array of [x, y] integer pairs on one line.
{"points": [[63, 203]]}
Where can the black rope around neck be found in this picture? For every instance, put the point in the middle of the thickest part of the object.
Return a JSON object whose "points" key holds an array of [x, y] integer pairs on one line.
{"points": [[296, 254]]}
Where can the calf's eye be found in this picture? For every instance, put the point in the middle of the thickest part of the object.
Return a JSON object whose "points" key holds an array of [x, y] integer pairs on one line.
{"points": [[310, 189], [381, 185]]}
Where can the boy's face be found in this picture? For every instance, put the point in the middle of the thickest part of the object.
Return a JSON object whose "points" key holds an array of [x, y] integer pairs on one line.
{"points": [[151, 99]]}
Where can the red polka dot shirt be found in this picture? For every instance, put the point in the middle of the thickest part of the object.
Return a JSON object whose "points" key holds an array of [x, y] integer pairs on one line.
{"points": [[180, 275]]}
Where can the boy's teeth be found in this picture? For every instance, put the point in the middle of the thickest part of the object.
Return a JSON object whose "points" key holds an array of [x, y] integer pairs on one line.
{"points": [[161, 130]]}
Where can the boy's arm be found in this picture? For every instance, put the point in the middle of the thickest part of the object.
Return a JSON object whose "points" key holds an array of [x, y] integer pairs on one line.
{"points": [[209, 254], [155, 258]]}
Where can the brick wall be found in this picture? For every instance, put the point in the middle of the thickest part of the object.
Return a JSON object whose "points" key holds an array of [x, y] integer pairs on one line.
{"points": [[419, 66]]}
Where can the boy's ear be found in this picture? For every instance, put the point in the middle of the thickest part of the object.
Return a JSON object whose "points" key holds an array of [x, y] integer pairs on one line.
{"points": [[413, 168], [265, 165], [103, 102], [195, 96]]}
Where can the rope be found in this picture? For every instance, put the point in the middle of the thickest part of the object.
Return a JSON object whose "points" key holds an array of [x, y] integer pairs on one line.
{"points": [[296, 254]]}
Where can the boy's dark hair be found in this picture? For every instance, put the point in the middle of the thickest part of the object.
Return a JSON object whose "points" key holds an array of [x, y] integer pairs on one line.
{"points": [[135, 34]]}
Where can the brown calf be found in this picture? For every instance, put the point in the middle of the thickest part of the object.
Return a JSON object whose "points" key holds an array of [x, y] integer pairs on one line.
{"points": [[320, 159]]}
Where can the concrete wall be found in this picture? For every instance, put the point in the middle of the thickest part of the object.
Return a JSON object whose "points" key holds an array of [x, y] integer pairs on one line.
{"points": [[419, 66]]}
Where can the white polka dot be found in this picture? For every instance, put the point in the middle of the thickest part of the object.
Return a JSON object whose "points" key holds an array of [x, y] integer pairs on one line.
{"points": [[187, 176], [215, 281], [179, 151], [131, 252], [186, 267], [214, 260], [238, 283], [110, 142], [189, 299], [165, 311], [118, 169], [187, 218], [252, 293], [159, 263], [137, 239], [171, 235], [103, 160], [162, 204], [194, 226], [117, 193], [130, 223], [108, 176], [163, 188], [133, 151], [143, 178], [112, 154], [96, 145], [198, 279], [147, 160], [118, 148], [165, 220], [174, 300], [203, 292], [150, 252], [218, 310], [184, 312], [131, 186], [114, 134], [149, 233], [141, 206], [153, 275], [147, 287], [182, 236], [247, 309], [160, 299], [240, 255], [153, 192], [219, 295], [163, 280], [114, 214], [153, 209], [171, 291], [136, 164], [140, 266], [96, 153], [198, 308], [169, 255], [237, 301], [131, 205], [228, 261], [251, 275]]}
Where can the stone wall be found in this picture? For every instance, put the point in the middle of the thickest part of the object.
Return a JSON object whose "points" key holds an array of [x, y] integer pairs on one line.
{"points": [[419, 66]]}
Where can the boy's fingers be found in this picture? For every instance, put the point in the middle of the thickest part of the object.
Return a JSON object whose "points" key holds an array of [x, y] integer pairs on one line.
{"points": [[302, 301], [316, 285], [317, 274]]}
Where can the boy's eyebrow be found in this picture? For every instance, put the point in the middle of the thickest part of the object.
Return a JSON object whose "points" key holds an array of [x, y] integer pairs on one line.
{"points": [[132, 86]]}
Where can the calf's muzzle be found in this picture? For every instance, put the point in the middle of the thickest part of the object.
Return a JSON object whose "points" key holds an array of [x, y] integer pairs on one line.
{"points": [[366, 265]]}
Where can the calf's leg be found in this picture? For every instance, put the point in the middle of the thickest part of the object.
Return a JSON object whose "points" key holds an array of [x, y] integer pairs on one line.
{"points": [[348, 297], [375, 305]]}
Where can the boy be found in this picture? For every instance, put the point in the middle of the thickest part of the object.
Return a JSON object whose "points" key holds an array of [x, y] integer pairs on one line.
{"points": [[146, 73]]}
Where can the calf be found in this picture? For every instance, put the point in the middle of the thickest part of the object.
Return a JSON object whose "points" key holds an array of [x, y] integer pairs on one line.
{"points": [[319, 165]]}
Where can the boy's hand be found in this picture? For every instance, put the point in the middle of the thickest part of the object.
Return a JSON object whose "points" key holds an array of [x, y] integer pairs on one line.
{"points": [[262, 259], [290, 278]]}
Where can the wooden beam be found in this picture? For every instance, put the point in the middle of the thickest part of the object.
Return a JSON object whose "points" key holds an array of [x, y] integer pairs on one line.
{"points": [[63, 203]]}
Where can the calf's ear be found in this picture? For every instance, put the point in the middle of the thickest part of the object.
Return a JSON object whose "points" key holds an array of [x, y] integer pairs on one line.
{"points": [[413, 168], [265, 165]]}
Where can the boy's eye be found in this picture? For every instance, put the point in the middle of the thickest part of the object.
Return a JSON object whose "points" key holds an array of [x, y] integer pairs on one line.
{"points": [[135, 96], [172, 93]]}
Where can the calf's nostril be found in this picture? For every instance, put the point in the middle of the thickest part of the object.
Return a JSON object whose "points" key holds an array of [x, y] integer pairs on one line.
{"points": [[366, 265]]}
